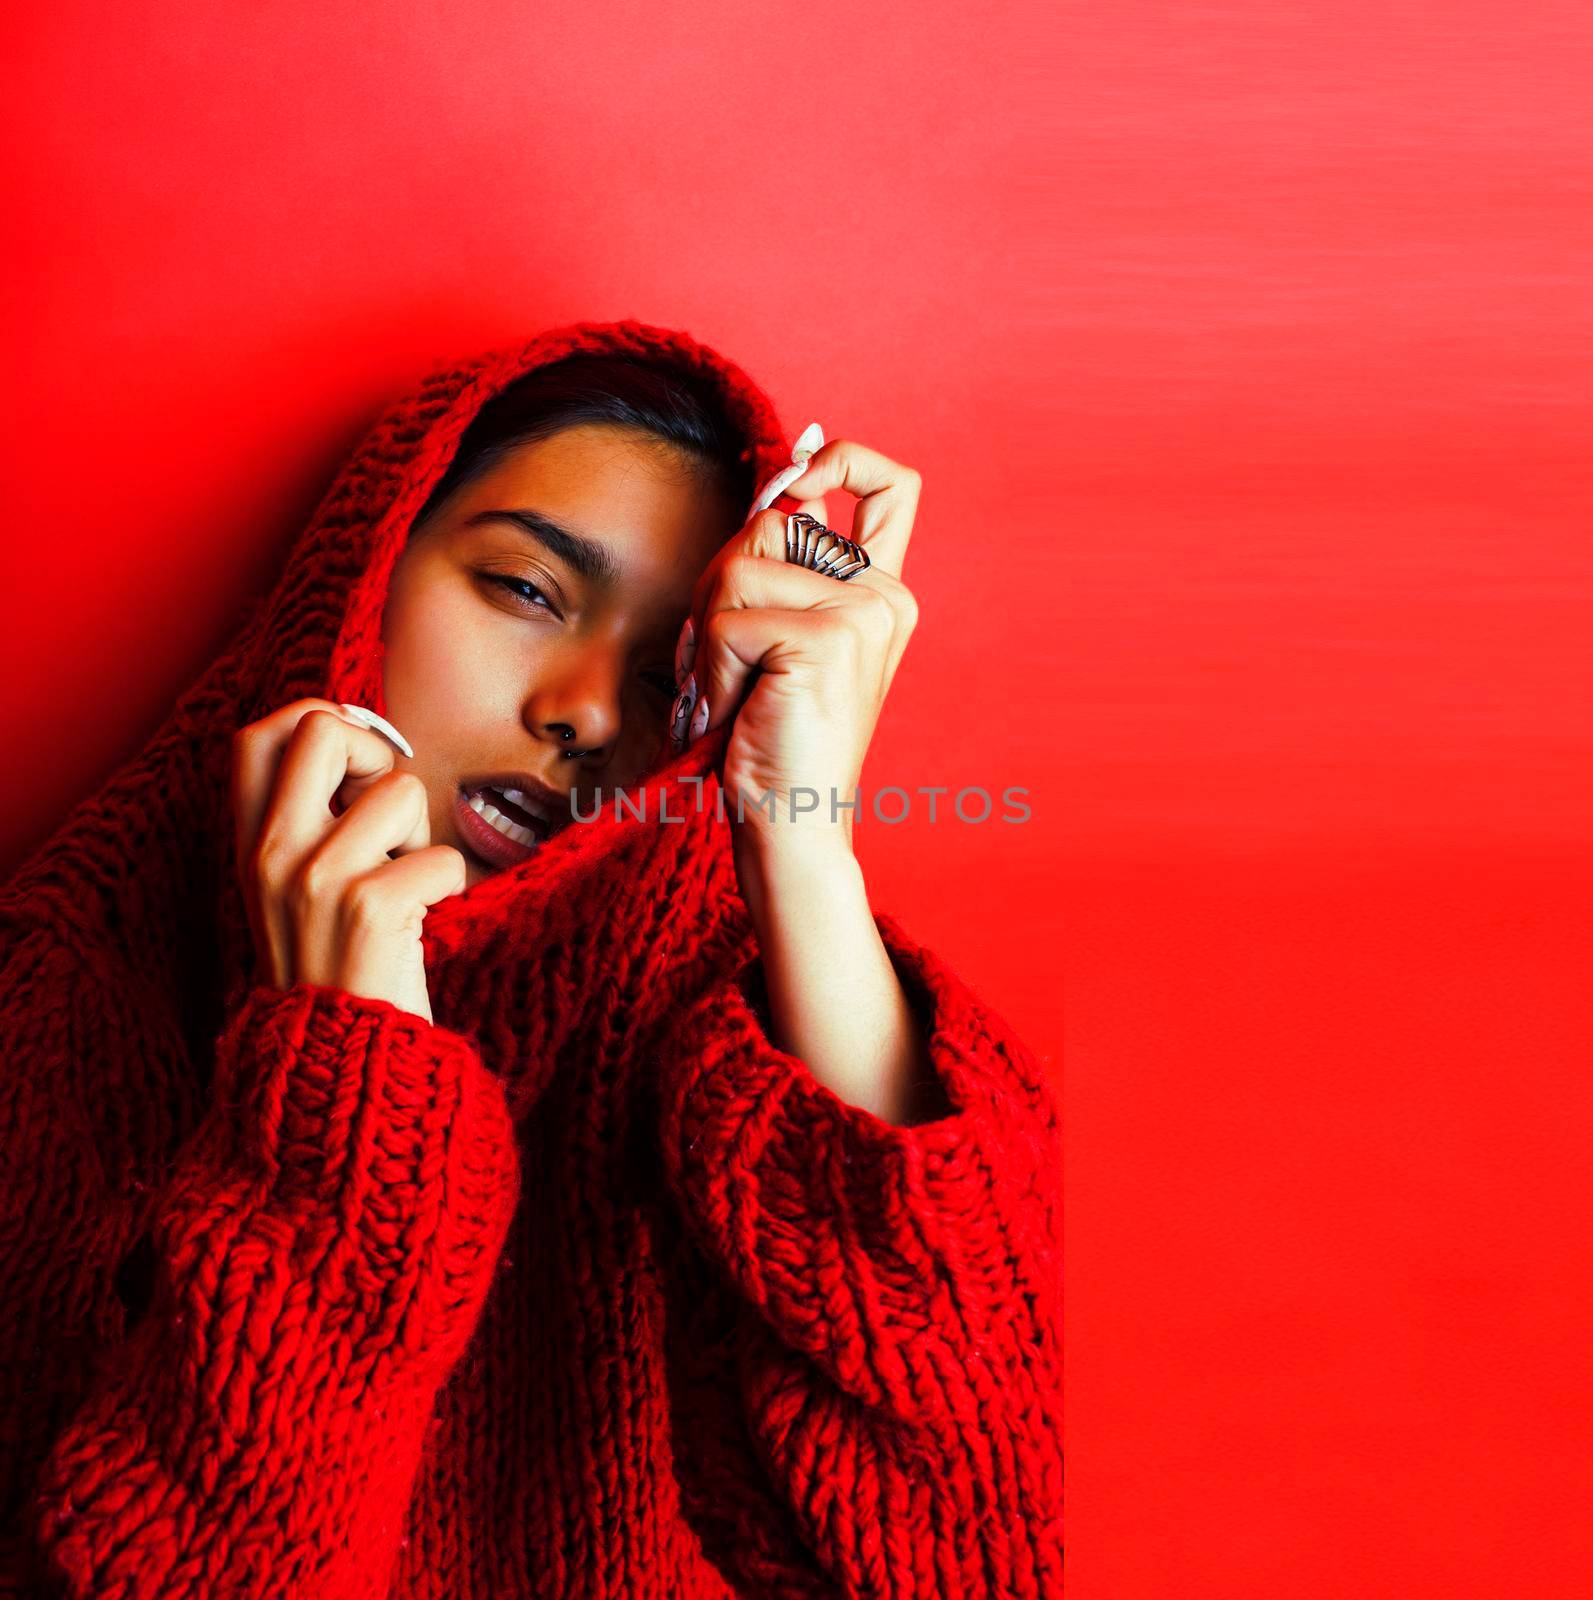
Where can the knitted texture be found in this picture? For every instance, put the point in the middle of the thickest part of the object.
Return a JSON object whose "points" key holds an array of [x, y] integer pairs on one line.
{"points": [[585, 1288]]}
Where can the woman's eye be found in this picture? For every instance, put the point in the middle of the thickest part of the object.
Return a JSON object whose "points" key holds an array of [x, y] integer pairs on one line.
{"points": [[523, 589]]}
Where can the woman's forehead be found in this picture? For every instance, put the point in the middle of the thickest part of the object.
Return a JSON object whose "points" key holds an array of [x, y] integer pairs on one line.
{"points": [[598, 460], [613, 505]]}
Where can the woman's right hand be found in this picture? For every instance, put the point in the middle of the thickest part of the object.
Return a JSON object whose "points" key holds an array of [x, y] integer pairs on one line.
{"points": [[327, 902]]}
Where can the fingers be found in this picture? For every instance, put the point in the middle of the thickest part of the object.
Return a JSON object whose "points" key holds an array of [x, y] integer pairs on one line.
{"points": [[755, 576], [354, 932], [322, 751], [763, 542], [257, 752], [287, 768], [814, 509], [845, 625], [391, 815], [421, 878], [849, 650], [740, 642], [882, 519], [887, 491]]}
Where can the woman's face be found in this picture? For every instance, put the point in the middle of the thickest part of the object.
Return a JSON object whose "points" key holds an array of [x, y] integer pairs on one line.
{"points": [[534, 614]]}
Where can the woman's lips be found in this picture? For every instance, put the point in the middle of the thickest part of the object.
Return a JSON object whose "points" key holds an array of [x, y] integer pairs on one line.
{"points": [[490, 844]]}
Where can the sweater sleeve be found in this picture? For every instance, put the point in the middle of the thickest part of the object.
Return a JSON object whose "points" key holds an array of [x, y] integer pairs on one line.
{"points": [[902, 1372], [321, 1253]]}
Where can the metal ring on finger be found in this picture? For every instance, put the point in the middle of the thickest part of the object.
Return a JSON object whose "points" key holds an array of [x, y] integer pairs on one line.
{"points": [[808, 543]]}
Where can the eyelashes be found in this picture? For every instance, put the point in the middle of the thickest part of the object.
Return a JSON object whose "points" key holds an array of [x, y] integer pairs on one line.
{"points": [[515, 587], [661, 682]]}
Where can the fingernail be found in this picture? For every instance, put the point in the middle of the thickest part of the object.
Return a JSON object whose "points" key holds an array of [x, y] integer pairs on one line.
{"points": [[699, 721], [685, 651], [369, 719], [680, 716], [773, 488], [809, 440]]}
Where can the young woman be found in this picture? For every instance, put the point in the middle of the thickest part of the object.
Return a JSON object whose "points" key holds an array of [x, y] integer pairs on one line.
{"points": [[508, 1156]]}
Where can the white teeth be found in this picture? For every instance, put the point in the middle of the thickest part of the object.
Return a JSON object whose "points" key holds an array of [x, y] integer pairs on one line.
{"points": [[518, 797], [491, 814]]}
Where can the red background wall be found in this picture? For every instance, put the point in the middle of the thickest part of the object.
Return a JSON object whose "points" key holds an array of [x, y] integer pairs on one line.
{"points": [[1248, 349]]}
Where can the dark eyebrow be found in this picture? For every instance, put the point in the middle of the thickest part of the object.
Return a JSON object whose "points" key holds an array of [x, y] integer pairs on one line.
{"points": [[594, 561]]}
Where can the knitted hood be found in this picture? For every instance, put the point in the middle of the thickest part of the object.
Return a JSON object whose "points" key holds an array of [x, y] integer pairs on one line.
{"points": [[525, 961]]}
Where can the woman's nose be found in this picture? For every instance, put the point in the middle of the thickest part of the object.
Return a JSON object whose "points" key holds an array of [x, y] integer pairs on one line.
{"points": [[578, 711]]}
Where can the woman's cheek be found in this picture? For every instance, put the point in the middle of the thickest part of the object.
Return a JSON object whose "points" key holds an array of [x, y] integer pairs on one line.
{"points": [[439, 655]]}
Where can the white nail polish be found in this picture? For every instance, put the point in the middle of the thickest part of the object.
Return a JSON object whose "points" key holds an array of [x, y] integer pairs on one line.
{"points": [[808, 441], [369, 719]]}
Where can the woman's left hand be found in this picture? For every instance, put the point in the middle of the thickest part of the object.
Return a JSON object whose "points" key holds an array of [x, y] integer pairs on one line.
{"points": [[801, 661]]}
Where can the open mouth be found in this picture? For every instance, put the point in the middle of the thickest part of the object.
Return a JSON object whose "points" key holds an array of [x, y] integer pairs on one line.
{"points": [[503, 826]]}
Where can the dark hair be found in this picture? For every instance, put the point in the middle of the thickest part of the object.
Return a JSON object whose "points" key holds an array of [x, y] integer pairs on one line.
{"points": [[675, 406]]}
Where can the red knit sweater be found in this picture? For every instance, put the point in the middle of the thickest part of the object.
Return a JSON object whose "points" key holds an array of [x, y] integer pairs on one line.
{"points": [[584, 1289]]}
